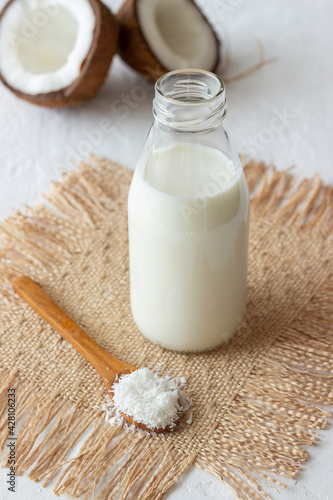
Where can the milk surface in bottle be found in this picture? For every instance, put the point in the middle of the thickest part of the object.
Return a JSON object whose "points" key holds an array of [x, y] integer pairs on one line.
{"points": [[188, 216]]}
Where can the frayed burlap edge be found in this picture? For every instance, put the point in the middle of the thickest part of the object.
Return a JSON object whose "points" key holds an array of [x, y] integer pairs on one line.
{"points": [[277, 395]]}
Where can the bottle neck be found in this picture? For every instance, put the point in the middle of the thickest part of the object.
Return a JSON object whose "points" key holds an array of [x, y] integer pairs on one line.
{"points": [[189, 101]]}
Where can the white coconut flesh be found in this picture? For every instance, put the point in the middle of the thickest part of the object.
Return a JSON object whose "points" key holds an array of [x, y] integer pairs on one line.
{"points": [[177, 34], [43, 43]]}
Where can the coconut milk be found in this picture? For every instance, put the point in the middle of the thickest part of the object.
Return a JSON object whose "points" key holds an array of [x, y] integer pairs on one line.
{"points": [[188, 236]]}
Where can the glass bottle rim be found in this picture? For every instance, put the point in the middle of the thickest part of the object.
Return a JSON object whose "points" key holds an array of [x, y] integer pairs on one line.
{"points": [[191, 72]]}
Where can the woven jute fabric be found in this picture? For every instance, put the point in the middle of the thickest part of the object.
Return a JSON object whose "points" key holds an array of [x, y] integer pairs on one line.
{"points": [[258, 399]]}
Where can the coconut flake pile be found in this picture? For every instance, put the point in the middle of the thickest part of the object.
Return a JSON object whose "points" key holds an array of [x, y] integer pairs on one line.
{"points": [[149, 399]]}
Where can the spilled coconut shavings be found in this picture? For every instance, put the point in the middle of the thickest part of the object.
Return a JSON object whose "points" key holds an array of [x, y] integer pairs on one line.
{"points": [[154, 401]]}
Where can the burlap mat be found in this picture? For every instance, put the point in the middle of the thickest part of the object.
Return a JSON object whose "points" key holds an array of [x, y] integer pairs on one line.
{"points": [[257, 399]]}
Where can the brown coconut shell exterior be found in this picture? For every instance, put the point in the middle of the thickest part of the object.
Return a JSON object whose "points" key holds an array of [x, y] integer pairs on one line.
{"points": [[94, 68], [135, 50]]}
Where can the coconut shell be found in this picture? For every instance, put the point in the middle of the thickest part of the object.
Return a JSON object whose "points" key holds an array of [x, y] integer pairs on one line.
{"points": [[94, 68], [134, 49]]}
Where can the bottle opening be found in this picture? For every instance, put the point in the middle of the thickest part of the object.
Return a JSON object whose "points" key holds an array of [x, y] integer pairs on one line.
{"points": [[190, 86], [190, 98]]}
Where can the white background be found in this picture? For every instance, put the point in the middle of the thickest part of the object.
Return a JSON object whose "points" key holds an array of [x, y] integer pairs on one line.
{"points": [[298, 85]]}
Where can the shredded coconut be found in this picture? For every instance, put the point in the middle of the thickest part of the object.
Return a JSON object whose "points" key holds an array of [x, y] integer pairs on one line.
{"points": [[190, 419], [149, 399]]}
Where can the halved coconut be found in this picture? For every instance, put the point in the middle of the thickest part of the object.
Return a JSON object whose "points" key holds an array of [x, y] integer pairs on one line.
{"points": [[157, 36], [56, 52]]}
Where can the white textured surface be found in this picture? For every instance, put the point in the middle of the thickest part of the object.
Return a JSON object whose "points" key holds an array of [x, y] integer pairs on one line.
{"points": [[34, 142]]}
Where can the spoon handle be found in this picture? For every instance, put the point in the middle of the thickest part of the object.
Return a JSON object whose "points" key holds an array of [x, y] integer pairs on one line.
{"points": [[38, 300]]}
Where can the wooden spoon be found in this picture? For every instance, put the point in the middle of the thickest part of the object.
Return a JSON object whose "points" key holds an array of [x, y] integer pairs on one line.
{"points": [[106, 365]]}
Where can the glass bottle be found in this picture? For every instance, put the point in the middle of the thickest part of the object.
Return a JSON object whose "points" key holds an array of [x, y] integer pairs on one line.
{"points": [[188, 214]]}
